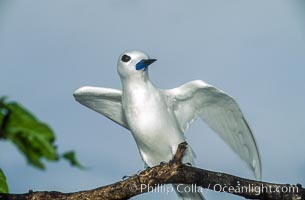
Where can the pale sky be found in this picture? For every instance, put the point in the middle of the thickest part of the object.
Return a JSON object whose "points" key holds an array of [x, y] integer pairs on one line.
{"points": [[253, 50]]}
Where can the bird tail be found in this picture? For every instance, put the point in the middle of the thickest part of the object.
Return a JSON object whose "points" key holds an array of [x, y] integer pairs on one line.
{"points": [[188, 192]]}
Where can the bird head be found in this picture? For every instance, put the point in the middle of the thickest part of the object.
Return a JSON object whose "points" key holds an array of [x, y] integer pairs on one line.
{"points": [[134, 63]]}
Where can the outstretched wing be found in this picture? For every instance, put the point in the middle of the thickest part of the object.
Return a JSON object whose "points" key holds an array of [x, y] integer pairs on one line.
{"points": [[103, 100], [221, 112]]}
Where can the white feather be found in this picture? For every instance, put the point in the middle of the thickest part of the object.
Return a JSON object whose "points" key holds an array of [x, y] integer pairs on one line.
{"points": [[105, 101], [221, 112], [158, 118]]}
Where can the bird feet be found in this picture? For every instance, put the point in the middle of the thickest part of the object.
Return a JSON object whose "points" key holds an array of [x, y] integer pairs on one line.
{"points": [[137, 174], [125, 177], [162, 163], [177, 160]]}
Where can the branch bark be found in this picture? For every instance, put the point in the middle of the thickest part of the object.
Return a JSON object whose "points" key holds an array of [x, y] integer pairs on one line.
{"points": [[178, 173]]}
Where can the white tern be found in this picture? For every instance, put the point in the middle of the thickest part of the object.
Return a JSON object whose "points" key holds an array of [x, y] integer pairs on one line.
{"points": [[158, 118]]}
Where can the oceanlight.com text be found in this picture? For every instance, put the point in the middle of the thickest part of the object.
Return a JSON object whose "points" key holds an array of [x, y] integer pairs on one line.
{"points": [[238, 189]]}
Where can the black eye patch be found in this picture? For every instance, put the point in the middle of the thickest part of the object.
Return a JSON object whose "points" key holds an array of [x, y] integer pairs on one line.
{"points": [[125, 58]]}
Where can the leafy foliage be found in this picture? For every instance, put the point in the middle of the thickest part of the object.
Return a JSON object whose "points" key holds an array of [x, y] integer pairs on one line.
{"points": [[71, 157], [34, 139], [3, 184]]}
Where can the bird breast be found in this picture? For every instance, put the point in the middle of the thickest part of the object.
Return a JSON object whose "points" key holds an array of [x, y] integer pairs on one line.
{"points": [[146, 111]]}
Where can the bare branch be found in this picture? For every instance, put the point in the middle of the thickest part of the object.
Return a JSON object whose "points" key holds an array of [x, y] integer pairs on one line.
{"points": [[178, 173]]}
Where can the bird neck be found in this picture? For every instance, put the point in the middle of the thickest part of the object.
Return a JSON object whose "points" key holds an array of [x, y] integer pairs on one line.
{"points": [[139, 79], [136, 83]]}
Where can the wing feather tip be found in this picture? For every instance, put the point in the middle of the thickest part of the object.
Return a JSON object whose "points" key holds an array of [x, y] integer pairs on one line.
{"points": [[257, 169], [77, 93]]}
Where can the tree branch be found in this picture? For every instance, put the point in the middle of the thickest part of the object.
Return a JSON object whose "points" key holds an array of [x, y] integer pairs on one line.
{"points": [[178, 173]]}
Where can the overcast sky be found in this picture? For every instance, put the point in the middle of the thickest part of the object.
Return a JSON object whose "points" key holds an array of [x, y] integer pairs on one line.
{"points": [[254, 50]]}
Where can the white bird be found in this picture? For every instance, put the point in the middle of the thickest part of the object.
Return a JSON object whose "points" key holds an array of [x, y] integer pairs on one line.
{"points": [[158, 118]]}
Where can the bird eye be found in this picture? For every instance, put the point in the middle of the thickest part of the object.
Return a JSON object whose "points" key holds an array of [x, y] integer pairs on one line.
{"points": [[125, 58]]}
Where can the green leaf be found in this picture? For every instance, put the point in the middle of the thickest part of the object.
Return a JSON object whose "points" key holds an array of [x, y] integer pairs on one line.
{"points": [[71, 157], [32, 137], [3, 184]]}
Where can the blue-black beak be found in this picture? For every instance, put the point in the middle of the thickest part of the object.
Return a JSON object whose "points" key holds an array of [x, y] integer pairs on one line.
{"points": [[143, 64]]}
